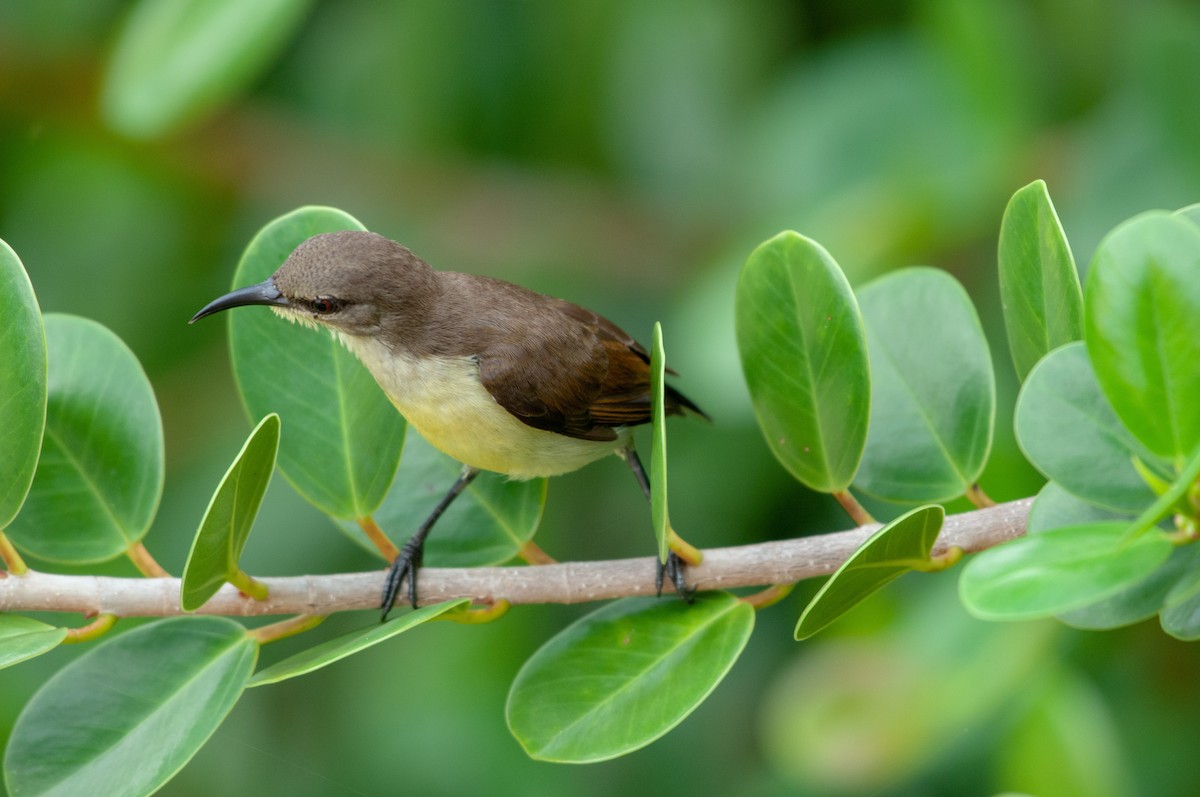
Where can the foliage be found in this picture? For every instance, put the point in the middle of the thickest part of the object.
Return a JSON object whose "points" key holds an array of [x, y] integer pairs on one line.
{"points": [[164, 687], [804, 355], [176, 61], [100, 472], [22, 383], [628, 156], [626, 674], [1098, 421], [218, 544]]}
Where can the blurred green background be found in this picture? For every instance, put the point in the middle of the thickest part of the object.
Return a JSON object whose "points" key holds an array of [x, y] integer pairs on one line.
{"points": [[627, 155]]}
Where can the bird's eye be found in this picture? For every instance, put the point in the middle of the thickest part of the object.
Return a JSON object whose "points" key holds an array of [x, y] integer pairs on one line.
{"points": [[324, 305]]}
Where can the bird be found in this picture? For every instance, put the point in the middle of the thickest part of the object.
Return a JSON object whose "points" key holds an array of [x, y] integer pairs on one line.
{"points": [[499, 377]]}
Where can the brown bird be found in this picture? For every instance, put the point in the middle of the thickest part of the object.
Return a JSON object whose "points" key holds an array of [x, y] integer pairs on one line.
{"points": [[495, 375]]}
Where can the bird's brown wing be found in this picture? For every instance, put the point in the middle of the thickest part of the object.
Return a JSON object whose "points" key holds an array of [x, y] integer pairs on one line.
{"points": [[578, 374]]}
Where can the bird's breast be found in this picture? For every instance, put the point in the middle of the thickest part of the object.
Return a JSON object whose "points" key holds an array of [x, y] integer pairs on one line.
{"points": [[444, 399]]}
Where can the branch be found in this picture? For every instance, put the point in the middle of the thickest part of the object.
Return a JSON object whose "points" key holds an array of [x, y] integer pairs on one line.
{"points": [[778, 562]]}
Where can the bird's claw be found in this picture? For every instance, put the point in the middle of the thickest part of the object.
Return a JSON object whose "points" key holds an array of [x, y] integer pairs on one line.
{"points": [[673, 569], [405, 564]]}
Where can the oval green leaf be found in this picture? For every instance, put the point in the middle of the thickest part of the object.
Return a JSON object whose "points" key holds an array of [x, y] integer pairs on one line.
{"points": [[1055, 507], [1190, 213], [327, 653], [1039, 284], [23, 638], [1143, 329], [1069, 432], [348, 440], [100, 475], [487, 524], [125, 716], [658, 452], [888, 554], [933, 392], [624, 675], [1142, 599], [226, 525], [1182, 620], [175, 62], [804, 357], [1058, 571], [1180, 616], [22, 383]]}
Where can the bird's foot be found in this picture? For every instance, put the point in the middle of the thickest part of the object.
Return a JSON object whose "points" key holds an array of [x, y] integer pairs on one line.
{"points": [[674, 570], [406, 563]]}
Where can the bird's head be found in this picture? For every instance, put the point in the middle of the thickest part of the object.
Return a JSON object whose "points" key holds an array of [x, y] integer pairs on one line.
{"points": [[352, 282]]}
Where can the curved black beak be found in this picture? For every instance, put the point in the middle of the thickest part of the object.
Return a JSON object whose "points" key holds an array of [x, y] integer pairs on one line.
{"points": [[264, 292]]}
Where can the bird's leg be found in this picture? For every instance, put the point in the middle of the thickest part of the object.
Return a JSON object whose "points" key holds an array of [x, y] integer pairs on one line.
{"points": [[409, 558], [635, 464], [674, 566]]}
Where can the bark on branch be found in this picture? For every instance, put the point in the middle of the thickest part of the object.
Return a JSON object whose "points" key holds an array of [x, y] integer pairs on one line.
{"points": [[783, 561]]}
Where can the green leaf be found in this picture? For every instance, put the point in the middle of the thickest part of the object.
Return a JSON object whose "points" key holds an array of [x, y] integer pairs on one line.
{"points": [[176, 62], [1068, 430], [1142, 599], [888, 554], [22, 383], [1180, 616], [1055, 507], [1143, 329], [100, 475], [804, 356], [226, 525], [487, 524], [1058, 571], [125, 716], [1039, 285], [348, 644], [23, 638], [1190, 213], [624, 675], [658, 452], [933, 392], [348, 440]]}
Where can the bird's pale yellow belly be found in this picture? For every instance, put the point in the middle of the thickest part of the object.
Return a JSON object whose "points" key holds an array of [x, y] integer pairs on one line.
{"points": [[443, 399]]}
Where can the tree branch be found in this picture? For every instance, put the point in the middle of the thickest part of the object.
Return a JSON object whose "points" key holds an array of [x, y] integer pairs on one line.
{"points": [[777, 562]]}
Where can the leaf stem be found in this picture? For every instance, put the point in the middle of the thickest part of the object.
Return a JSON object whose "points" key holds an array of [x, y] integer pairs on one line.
{"points": [[769, 596], [144, 562], [939, 562], [13, 562], [285, 628], [857, 512], [978, 497], [479, 614], [1155, 482], [689, 553], [532, 553], [376, 536], [1166, 502], [93, 630], [248, 585]]}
